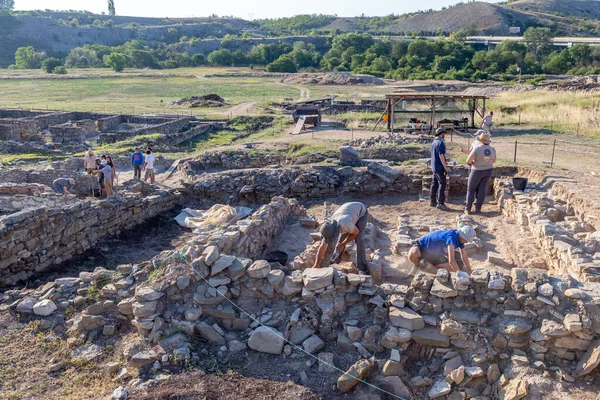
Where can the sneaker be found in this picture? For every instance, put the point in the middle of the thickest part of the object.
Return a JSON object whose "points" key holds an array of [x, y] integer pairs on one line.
{"points": [[432, 204], [442, 207], [477, 212]]}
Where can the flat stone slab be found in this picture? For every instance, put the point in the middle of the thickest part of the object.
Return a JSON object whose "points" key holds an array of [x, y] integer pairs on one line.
{"points": [[406, 318], [431, 336]]}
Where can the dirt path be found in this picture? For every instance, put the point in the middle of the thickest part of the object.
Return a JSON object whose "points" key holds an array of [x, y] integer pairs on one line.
{"points": [[240, 109]]}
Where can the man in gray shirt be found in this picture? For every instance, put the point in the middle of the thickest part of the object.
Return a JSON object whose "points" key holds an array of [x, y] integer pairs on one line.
{"points": [[349, 222], [62, 185], [481, 160]]}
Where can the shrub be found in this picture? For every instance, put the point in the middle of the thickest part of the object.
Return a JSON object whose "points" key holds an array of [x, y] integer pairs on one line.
{"points": [[116, 61], [49, 64], [60, 70]]}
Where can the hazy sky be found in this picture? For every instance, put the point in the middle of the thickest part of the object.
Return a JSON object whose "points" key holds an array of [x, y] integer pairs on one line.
{"points": [[247, 9]]}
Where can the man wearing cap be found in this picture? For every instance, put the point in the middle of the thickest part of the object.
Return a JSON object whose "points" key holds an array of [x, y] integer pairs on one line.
{"points": [[481, 160], [62, 185], [89, 161], [438, 248], [349, 222], [437, 195]]}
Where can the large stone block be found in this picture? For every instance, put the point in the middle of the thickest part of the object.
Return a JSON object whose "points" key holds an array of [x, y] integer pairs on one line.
{"points": [[406, 318], [266, 340], [317, 278]]}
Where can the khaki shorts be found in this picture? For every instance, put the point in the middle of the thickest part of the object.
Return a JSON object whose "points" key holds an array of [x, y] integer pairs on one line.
{"points": [[149, 173], [109, 187], [89, 170]]}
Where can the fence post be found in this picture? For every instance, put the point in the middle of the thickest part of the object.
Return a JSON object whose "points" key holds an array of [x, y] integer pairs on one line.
{"points": [[451, 136], [519, 119], [577, 129], [551, 127], [553, 148], [515, 158], [352, 134]]}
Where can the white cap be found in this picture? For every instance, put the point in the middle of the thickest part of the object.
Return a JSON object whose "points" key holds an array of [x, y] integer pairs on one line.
{"points": [[467, 233], [103, 162]]}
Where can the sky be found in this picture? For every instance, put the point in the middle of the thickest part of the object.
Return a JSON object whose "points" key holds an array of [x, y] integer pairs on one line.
{"points": [[246, 9]]}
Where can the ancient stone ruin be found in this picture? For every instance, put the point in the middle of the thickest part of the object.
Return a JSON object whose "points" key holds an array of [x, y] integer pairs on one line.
{"points": [[502, 332]]}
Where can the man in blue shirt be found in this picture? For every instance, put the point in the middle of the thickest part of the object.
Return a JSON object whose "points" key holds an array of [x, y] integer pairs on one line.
{"points": [[137, 161], [437, 195], [438, 248]]}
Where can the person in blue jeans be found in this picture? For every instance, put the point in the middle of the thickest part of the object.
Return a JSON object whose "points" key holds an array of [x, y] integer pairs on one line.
{"points": [[438, 248], [437, 195], [62, 185], [137, 161]]}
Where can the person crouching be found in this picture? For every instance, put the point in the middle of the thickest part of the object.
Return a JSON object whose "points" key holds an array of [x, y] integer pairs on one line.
{"points": [[438, 248]]}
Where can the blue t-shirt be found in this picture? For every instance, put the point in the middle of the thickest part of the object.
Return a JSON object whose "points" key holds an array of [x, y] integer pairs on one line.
{"points": [[437, 242], [137, 158], [438, 147]]}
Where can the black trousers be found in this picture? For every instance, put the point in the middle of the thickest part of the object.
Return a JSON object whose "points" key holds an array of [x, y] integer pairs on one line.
{"points": [[437, 194], [478, 183]]}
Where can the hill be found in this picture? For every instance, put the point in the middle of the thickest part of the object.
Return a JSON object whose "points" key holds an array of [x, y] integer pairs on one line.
{"points": [[57, 33]]}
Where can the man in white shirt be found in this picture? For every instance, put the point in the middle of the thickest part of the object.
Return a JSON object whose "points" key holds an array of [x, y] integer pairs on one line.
{"points": [[89, 161], [149, 165], [349, 222]]}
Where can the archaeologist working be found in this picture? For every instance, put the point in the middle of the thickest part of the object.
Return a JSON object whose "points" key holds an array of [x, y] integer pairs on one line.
{"points": [[62, 185], [137, 161], [149, 165], [349, 222], [437, 195], [89, 161], [438, 248], [488, 122], [481, 160]]}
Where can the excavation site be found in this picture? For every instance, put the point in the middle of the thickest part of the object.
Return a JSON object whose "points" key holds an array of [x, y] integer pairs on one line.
{"points": [[207, 287]]}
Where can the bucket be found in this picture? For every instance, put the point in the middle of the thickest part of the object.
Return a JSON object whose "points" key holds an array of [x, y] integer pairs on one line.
{"points": [[277, 256], [520, 183]]}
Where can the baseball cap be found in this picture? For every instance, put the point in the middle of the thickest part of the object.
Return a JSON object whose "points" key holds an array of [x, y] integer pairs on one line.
{"points": [[467, 232], [440, 131], [103, 162], [329, 229]]}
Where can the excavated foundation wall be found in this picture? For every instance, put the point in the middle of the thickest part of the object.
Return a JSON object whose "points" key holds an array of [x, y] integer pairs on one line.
{"points": [[259, 185], [560, 222], [33, 239]]}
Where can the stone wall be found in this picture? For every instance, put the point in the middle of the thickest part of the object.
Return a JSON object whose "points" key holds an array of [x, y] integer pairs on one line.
{"points": [[108, 123], [569, 242], [9, 131], [250, 237], [258, 185], [34, 239], [161, 125], [177, 138], [73, 132]]}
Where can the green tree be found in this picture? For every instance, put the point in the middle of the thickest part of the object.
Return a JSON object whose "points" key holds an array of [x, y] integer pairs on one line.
{"points": [[538, 40], [60, 70], [49, 64], [220, 57], [111, 7], [116, 61], [284, 63], [28, 58], [7, 4]]}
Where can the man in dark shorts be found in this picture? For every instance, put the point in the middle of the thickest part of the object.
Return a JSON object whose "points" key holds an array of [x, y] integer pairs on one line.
{"points": [[348, 223], [438, 248]]}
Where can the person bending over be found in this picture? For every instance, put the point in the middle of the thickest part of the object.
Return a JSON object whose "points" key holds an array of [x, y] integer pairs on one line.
{"points": [[438, 248], [349, 222]]}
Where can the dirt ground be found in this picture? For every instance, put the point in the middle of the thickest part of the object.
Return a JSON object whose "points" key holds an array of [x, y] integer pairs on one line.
{"points": [[496, 232]]}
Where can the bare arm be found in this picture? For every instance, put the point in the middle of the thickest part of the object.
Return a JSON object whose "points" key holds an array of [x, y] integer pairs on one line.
{"points": [[465, 259], [350, 237], [320, 254], [471, 158], [452, 259]]}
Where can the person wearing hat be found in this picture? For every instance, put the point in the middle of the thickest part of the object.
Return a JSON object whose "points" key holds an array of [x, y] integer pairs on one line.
{"points": [[437, 194], [481, 160], [476, 143], [62, 185], [438, 248], [349, 222], [89, 162]]}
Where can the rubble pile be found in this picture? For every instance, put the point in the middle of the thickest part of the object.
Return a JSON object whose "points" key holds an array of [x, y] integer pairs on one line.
{"points": [[479, 335], [209, 100]]}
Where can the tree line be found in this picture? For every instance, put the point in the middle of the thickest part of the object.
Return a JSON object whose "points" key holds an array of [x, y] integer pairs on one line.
{"points": [[358, 53]]}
